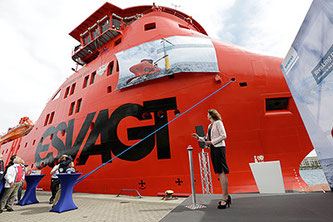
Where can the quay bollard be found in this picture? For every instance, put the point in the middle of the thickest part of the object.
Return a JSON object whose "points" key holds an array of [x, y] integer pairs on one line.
{"points": [[194, 204]]}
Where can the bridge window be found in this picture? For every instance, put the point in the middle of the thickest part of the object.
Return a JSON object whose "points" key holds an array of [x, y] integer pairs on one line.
{"points": [[150, 26], [274, 104]]}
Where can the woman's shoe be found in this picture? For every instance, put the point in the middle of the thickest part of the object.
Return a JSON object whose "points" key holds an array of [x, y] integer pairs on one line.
{"points": [[223, 206], [229, 199]]}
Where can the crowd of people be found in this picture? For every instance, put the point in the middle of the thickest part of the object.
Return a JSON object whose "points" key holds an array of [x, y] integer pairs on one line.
{"points": [[14, 173], [12, 177]]}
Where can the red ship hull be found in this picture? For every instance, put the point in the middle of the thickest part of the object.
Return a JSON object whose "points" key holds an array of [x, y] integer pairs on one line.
{"points": [[109, 121]]}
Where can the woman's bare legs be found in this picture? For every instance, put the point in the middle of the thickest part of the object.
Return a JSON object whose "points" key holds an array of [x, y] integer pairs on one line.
{"points": [[224, 183]]}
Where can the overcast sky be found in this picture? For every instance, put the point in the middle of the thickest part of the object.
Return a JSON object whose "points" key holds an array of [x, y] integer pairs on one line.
{"points": [[36, 49]]}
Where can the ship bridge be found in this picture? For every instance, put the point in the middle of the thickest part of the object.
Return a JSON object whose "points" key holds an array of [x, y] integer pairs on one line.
{"points": [[108, 23]]}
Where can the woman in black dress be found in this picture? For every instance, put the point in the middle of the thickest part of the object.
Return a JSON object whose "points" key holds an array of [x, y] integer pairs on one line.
{"points": [[215, 140]]}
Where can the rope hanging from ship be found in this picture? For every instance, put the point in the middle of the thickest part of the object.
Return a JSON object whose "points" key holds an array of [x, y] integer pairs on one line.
{"points": [[201, 101]]}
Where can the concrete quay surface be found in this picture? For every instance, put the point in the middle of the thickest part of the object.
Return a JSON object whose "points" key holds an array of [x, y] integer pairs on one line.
{"points": [[95, 207]]}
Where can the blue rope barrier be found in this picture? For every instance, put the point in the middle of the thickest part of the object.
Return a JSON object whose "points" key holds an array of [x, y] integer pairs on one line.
{"points": [[83, 177]]}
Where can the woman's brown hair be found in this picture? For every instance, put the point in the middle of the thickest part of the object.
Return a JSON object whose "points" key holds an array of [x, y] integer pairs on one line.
{"points": [[214, 114]]}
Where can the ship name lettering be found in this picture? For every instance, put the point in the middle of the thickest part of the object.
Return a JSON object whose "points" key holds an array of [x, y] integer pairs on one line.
{"points": [[105, 127]]}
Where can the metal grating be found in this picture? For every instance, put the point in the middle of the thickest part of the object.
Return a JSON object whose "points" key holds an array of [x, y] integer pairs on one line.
{"points": [[206, 177]]}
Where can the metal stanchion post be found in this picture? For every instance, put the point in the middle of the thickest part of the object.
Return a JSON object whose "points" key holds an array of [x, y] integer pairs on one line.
{"points": [[194, 204], [190, 149]]}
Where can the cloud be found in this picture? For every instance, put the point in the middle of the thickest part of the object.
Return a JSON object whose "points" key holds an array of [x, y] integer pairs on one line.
{"points": [[264, 26]]}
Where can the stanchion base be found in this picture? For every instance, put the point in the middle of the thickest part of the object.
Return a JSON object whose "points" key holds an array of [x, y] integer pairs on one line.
{"points": [[195, 206]]}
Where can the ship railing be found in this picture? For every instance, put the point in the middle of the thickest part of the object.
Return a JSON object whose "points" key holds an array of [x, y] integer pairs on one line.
{"points": [[103, 31], [100, 33], [106, 29]]}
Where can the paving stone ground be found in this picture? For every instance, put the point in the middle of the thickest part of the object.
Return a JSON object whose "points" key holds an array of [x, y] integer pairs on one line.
{"points": [[95, 207]]}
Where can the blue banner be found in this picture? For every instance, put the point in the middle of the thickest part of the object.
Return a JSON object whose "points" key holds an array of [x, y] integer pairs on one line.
{"points": [[308, 70]]}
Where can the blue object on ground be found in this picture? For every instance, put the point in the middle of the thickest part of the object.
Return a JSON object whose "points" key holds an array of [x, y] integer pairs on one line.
{"points": [[30, 193], [65, 202], [2, 184]]}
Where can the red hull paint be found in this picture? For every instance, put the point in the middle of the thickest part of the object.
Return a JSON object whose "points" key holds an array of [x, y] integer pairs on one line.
{"points": [[251, 130]]}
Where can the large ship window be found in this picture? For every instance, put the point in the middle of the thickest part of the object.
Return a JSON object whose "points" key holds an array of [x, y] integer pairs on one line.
{"points": [[71, 108], [46, 119], [92, 79], [66, 92], [78, 106], [73, 88], [110, 70], [85, 82], [51, 117], [274, 104], [150, 26]]}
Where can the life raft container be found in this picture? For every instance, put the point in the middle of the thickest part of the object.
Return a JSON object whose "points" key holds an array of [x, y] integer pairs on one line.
{"points": [[23, 128]]}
